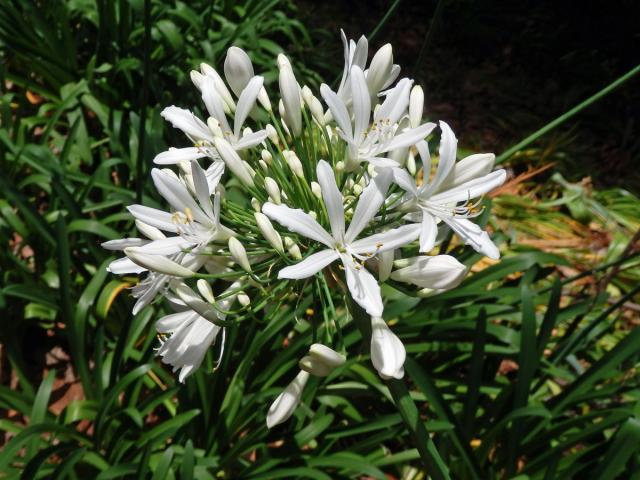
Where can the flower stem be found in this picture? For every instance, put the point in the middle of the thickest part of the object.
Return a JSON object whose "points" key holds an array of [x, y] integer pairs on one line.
{"points": [[436, 468]]}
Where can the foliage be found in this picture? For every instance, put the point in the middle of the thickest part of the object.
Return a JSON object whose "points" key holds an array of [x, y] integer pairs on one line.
{"points": [[525, 369]]}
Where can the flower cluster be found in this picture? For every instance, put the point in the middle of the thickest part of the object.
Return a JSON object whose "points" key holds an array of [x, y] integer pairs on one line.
{"points": [[343, 198]]}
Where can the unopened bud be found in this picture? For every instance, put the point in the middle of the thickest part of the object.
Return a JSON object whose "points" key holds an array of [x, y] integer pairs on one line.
{"points": [[237, 69], [379, 69], [411, 162], [314, 366], [243, 299], [263, 98], [263, 165], [272, 190], [295, 165], [416, 106], [290, 93], [340, 166], [268, 232], [313, 214], [221, 88], [357, 190], [157, 263], [255, 204], [272, 133], [266, 156], [214, 126], [317, 191], [205, 290], [239, 254]]}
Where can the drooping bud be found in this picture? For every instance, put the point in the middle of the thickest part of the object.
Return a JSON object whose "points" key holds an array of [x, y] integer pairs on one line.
{"points": [[157, 263], [233, 161], [239, 254], [387, 351], [439, 272], [314, 366], [268, 232], [285, 404], [238, 69], [290, 93], [327, 355], [205, 290], [273, 190]]}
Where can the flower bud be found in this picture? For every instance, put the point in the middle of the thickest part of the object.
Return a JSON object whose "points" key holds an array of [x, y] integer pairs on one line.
{"points": [[268, 232], [385, 264], [273, 190], [221, 88], [340, 166], [249, 168], [255, 204], [290, 93], [196, 78], [263, 98], [440, 272], [387, 351], [416, 106], [314, 366], [239, 254], [205, 290], [266, 156], [411, 162], [152, 233], [272, 133], [233, 161], [313, 214], [288, 242], [243, 299], [316, 190], [294, 164], [314, 105], [263, 165], [379, 69], [238, 69], [284, 405], [157, 263], [327, 355], [357, 190]]}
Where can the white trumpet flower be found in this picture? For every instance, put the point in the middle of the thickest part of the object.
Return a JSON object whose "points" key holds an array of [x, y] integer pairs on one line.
{"points": [[369, 143], [342, 244], [387, 351], [433, 202]]}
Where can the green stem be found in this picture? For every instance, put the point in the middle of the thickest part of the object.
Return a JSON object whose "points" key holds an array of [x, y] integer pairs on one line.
{"points": [[567, 115], [436, 468]]}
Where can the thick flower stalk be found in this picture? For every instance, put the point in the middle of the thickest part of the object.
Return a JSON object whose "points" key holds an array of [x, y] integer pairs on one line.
{"points": [[333, 199]]}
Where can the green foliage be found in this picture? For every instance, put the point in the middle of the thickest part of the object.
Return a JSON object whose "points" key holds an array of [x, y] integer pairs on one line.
{"points": [[517, 371]]}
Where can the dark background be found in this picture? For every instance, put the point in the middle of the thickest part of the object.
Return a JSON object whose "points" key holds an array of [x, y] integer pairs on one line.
{"points": [[496, 70]]}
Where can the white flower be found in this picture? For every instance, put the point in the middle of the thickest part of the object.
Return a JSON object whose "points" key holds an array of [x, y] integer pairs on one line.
{"points": [[342, 244], [191, 332], [440, 272], [387, 351], [435, 202], [369, 143], [285, 404]]}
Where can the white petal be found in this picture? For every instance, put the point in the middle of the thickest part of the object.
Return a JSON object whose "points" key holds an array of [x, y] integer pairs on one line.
{"points": [[326, 355], [214, 103], [471, 189], [246, 102], [338, 110], [385, 264], [154, 217], [250, 140], [309, 266], [428, 232], [379, 69], [473, 236], [409, 137], [177, 194], [387, 351], [285, 404], [174, 156], [214, 174], [389, 240], [396, 102], [165, 246], [170, 323], [233, 161], [405, 181], [363, 287], [448, 148], [473, 166], [369, 203], [440, 272], [202, 191], [123, 243], [158, 263], [361, 102], [187, 122], [194, 301], [290, 93], [297, 221], [332, 198], [123, 266]]}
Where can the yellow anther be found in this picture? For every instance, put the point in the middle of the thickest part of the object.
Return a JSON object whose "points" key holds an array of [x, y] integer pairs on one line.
{"points": [[189, 214]]}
